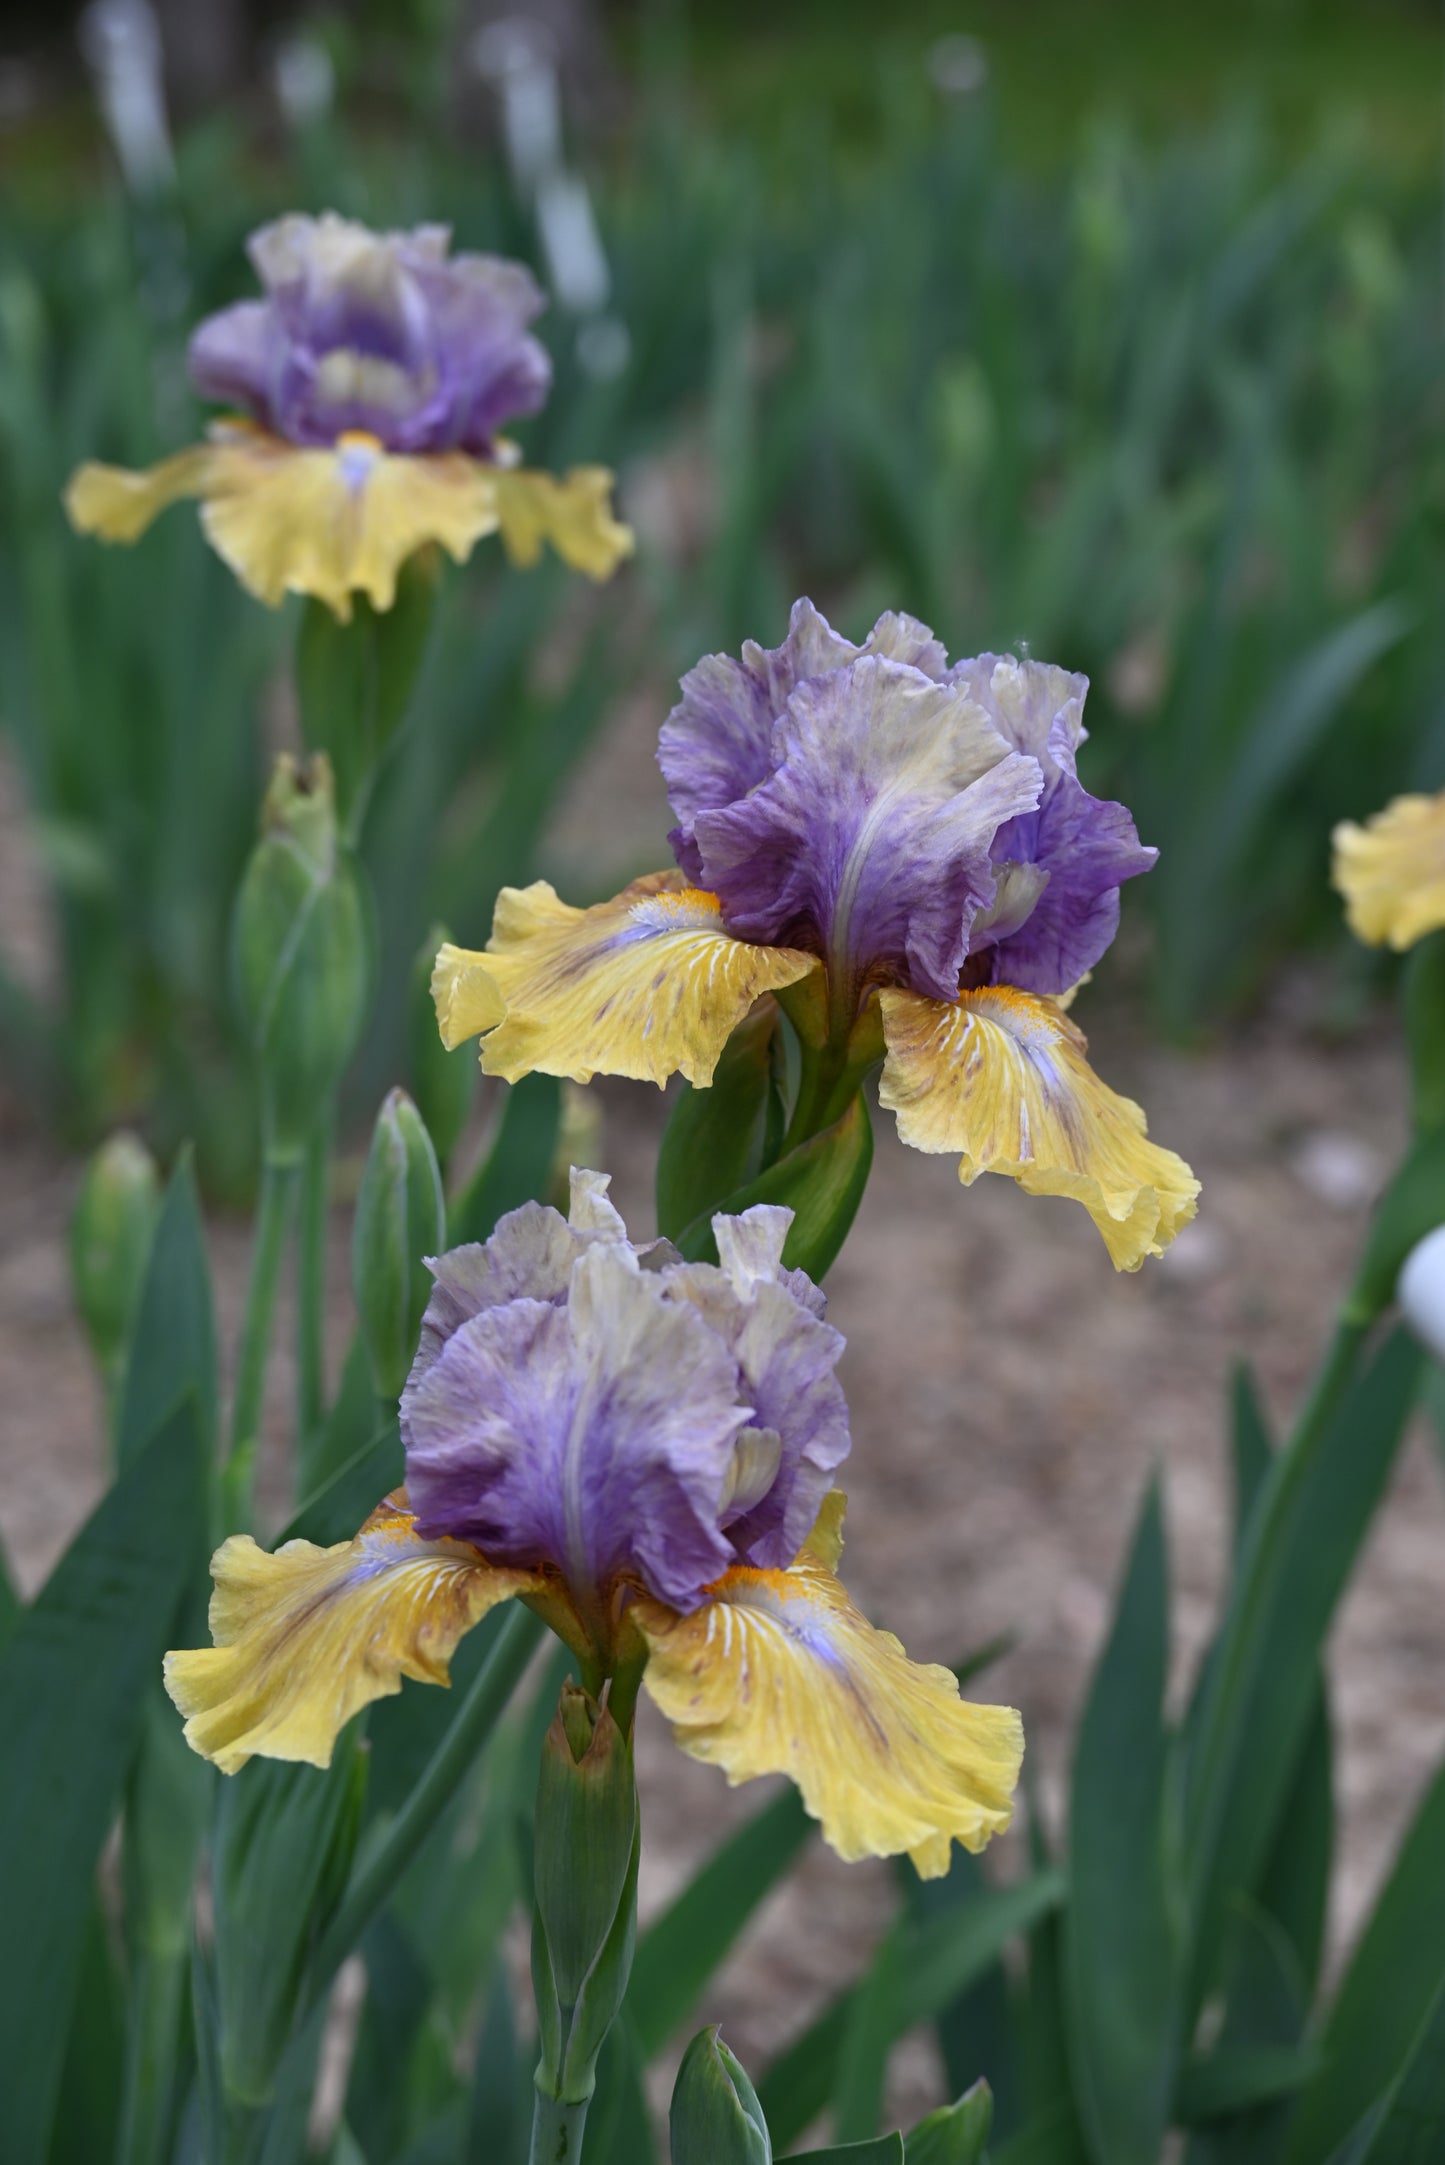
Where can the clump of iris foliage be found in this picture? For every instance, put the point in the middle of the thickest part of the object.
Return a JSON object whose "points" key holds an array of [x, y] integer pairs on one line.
{"points": [[1170, 409], [888, 866]]}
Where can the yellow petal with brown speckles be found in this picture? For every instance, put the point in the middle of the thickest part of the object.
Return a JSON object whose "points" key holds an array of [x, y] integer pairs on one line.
{"points": [[1000, 1076], [647, 985], [778, 1673], [308, 1636]]}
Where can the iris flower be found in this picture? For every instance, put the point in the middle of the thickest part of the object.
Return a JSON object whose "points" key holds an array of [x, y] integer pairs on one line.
{"points": [[368, 391], [901, 852], [643, 1451], [1391, 872]]}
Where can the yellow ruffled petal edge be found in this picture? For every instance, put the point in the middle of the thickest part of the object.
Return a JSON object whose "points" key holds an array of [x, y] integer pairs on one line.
{"points": [[343, 520], [1391, 872], [648, 985], [778, 1673], [307, 1636], [1001, 1077]]}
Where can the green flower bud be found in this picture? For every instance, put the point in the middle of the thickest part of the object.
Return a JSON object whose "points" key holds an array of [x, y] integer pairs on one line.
{"points": [[445, 1083], [284, 1840], [110, 1239], [302, 954], [585, 1925], [400, 1217], [957, 2134], [716, 2118]]}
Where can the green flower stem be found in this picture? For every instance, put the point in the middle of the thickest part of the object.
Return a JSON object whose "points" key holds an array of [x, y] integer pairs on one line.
{"points": [[277, 1188], [311, 1293], [557, 2130], [158, 1985], [382, 1867], [833, 1070]]}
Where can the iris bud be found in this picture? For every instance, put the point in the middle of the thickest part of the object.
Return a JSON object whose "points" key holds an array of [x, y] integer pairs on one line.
{"points": [[284, 1841], [400, 1217], [445, 1083], [716, 2118], [110, 1238], [955, 2135], [302, 954], [585, 1924]]}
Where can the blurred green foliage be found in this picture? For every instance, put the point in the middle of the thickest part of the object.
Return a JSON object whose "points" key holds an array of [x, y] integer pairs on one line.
{"points": [[1167, 410]]}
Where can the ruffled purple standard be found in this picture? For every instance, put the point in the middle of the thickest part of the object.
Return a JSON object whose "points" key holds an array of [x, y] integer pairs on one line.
{"points": [[914, 824], [1085, 847], [617, 1413], [386, 333]]}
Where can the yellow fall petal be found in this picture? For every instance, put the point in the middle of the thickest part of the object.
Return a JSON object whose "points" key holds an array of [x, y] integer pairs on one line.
{"points": [[778, 1673], [647, 985], [342, 520], [573, 512], [1001, 1077], [466, 995], [118, 505], [1391, 872], [308, 1636]]}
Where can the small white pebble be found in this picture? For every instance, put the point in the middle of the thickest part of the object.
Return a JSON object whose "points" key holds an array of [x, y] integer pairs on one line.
{"points": [[1342, 1170]]}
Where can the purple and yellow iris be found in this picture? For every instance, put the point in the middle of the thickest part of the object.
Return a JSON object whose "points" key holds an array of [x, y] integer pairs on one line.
{"points": [[370, 387], [643, 1450], [902, 852]]}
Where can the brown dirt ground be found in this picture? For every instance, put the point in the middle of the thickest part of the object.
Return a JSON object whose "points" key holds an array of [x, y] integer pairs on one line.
{"points": [[1010, 1396]]}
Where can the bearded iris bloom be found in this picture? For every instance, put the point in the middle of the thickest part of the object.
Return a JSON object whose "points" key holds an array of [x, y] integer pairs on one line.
{"points": [[368, 389], [902, 853], [643, 1450], [1391, 872]]}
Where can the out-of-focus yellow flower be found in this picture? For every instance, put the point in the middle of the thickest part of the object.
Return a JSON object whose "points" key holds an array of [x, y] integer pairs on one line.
{"points": [[1391, 872], [372, 381]]}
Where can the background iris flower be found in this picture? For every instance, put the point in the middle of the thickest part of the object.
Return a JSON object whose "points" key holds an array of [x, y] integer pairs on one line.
{"points": [[643, 1451], [904, 854], [1391, 871], [373, 382]]}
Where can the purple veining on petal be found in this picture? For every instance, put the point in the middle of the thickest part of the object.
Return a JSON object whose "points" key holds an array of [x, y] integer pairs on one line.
{"points": [[718, 741], [772, 1319], [617, 1413], [870, 841], [1083, 846], [385, 333], [595, 1436]]}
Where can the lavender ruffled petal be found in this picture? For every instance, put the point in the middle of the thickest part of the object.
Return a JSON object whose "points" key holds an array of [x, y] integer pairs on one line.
{"points": [[717, 743], [618, 1414], [595, 1437], [1084, 847], [385, 333], [870, 842]]}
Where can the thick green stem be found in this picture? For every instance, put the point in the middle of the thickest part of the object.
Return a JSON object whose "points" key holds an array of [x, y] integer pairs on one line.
{"points": [[380, 1870], [158, 1987], [311, 1295], [557, 2131], [277, 1185]]}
